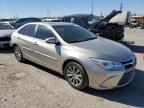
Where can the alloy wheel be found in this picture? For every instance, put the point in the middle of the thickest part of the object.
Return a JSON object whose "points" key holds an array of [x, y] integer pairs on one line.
{"points": [[18, 54], [74, 75]]}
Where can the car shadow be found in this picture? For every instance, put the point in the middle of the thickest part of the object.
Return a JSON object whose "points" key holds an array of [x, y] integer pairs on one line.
{"points": [[132, 94], [135, 48], [45, 69], [6, 50]]}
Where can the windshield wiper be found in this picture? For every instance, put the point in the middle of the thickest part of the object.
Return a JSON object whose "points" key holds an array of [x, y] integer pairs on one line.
{"points": [[83, 40], [76, 41], [90, 38]]}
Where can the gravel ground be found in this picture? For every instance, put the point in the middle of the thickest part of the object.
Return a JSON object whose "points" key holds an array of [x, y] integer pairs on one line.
{"points": [[31, 86]]}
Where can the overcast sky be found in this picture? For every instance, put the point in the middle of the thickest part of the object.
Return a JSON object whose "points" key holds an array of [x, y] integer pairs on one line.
{"points": [[40, 8]]}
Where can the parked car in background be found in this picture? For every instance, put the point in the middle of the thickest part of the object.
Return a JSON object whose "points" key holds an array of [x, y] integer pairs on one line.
{"points": [[142, 25], [134, 23], [137, 24], [137, 21], [22, 21], [107, 29], [101, 27], [12, 23], [51, 20], [6, 31], [84, 20], [82, 57]]}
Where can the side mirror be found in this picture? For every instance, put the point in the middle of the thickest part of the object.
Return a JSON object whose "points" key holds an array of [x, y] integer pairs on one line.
{"points": [[52, 40]]}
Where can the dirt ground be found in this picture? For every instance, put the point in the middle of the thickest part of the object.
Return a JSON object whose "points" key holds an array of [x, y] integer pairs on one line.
{"points": [[27, 85]]}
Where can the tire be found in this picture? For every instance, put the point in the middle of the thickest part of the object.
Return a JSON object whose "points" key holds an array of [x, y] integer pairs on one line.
{"points": [[18, 54], [76, 75]]}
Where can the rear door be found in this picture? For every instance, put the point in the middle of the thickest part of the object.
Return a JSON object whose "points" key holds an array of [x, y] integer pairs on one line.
{"points": [[26, 39]]}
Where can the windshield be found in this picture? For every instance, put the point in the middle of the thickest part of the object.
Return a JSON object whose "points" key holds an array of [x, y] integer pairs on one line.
{"points": [[5, 26], [93, 19], [74, 33], [89, 20]]}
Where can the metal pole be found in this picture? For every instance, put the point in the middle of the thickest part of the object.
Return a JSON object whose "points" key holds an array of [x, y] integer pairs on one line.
{"points": [[121, 6], [92, 7]]}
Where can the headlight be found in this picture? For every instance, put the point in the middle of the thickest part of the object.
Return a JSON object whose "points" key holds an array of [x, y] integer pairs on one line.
{"points": [[107, 65]]}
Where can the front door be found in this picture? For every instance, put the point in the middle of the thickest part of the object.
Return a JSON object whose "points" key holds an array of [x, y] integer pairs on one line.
{"points": [[45, 53]]}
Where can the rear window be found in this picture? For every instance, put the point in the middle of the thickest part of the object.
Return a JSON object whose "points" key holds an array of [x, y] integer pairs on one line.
{"points": [[28, 30]]}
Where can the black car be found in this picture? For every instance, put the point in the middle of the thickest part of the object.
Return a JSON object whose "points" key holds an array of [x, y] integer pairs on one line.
{"points": [[23, 21], [101, 27]]}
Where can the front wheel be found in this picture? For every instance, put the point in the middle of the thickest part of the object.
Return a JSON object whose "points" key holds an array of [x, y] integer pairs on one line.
{"points": [[76, 75], [18, 54]]}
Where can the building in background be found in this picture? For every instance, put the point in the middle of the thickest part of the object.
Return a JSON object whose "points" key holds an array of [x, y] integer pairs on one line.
{"points": [[138, 18]]}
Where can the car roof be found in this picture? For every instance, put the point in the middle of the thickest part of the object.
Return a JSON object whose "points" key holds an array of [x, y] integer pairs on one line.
{"points": [[53, 23], [78, 15], [27, 19]]}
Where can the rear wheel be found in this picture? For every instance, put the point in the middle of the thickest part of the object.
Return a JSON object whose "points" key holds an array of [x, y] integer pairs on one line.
{"points": [[75, 75], [18, 54]]}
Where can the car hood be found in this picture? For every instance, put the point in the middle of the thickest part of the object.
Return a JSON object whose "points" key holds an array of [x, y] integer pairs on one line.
{"points": [[107, 18], [6, 33], [122, 18], [104, 49]]}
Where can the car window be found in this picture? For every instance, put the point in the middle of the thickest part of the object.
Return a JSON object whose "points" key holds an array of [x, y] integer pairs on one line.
{"points": [[29, 30], [67, 19], [5, 26], [21, 31], [43, 32]]}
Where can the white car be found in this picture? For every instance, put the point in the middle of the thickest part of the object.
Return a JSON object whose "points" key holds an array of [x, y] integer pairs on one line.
{"points": [[6, 31]]}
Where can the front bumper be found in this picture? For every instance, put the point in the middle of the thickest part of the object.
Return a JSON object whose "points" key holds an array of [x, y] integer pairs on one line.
{"points": [[123, 81], [105, 80]]}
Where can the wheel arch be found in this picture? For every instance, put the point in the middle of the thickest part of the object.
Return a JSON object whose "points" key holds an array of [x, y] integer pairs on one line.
{"points": [[14, 45], [77, 61]]}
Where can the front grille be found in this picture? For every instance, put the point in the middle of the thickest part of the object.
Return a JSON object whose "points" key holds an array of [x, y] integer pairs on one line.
{"points": [[125, 78], [4, 39], [128, 64]]}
